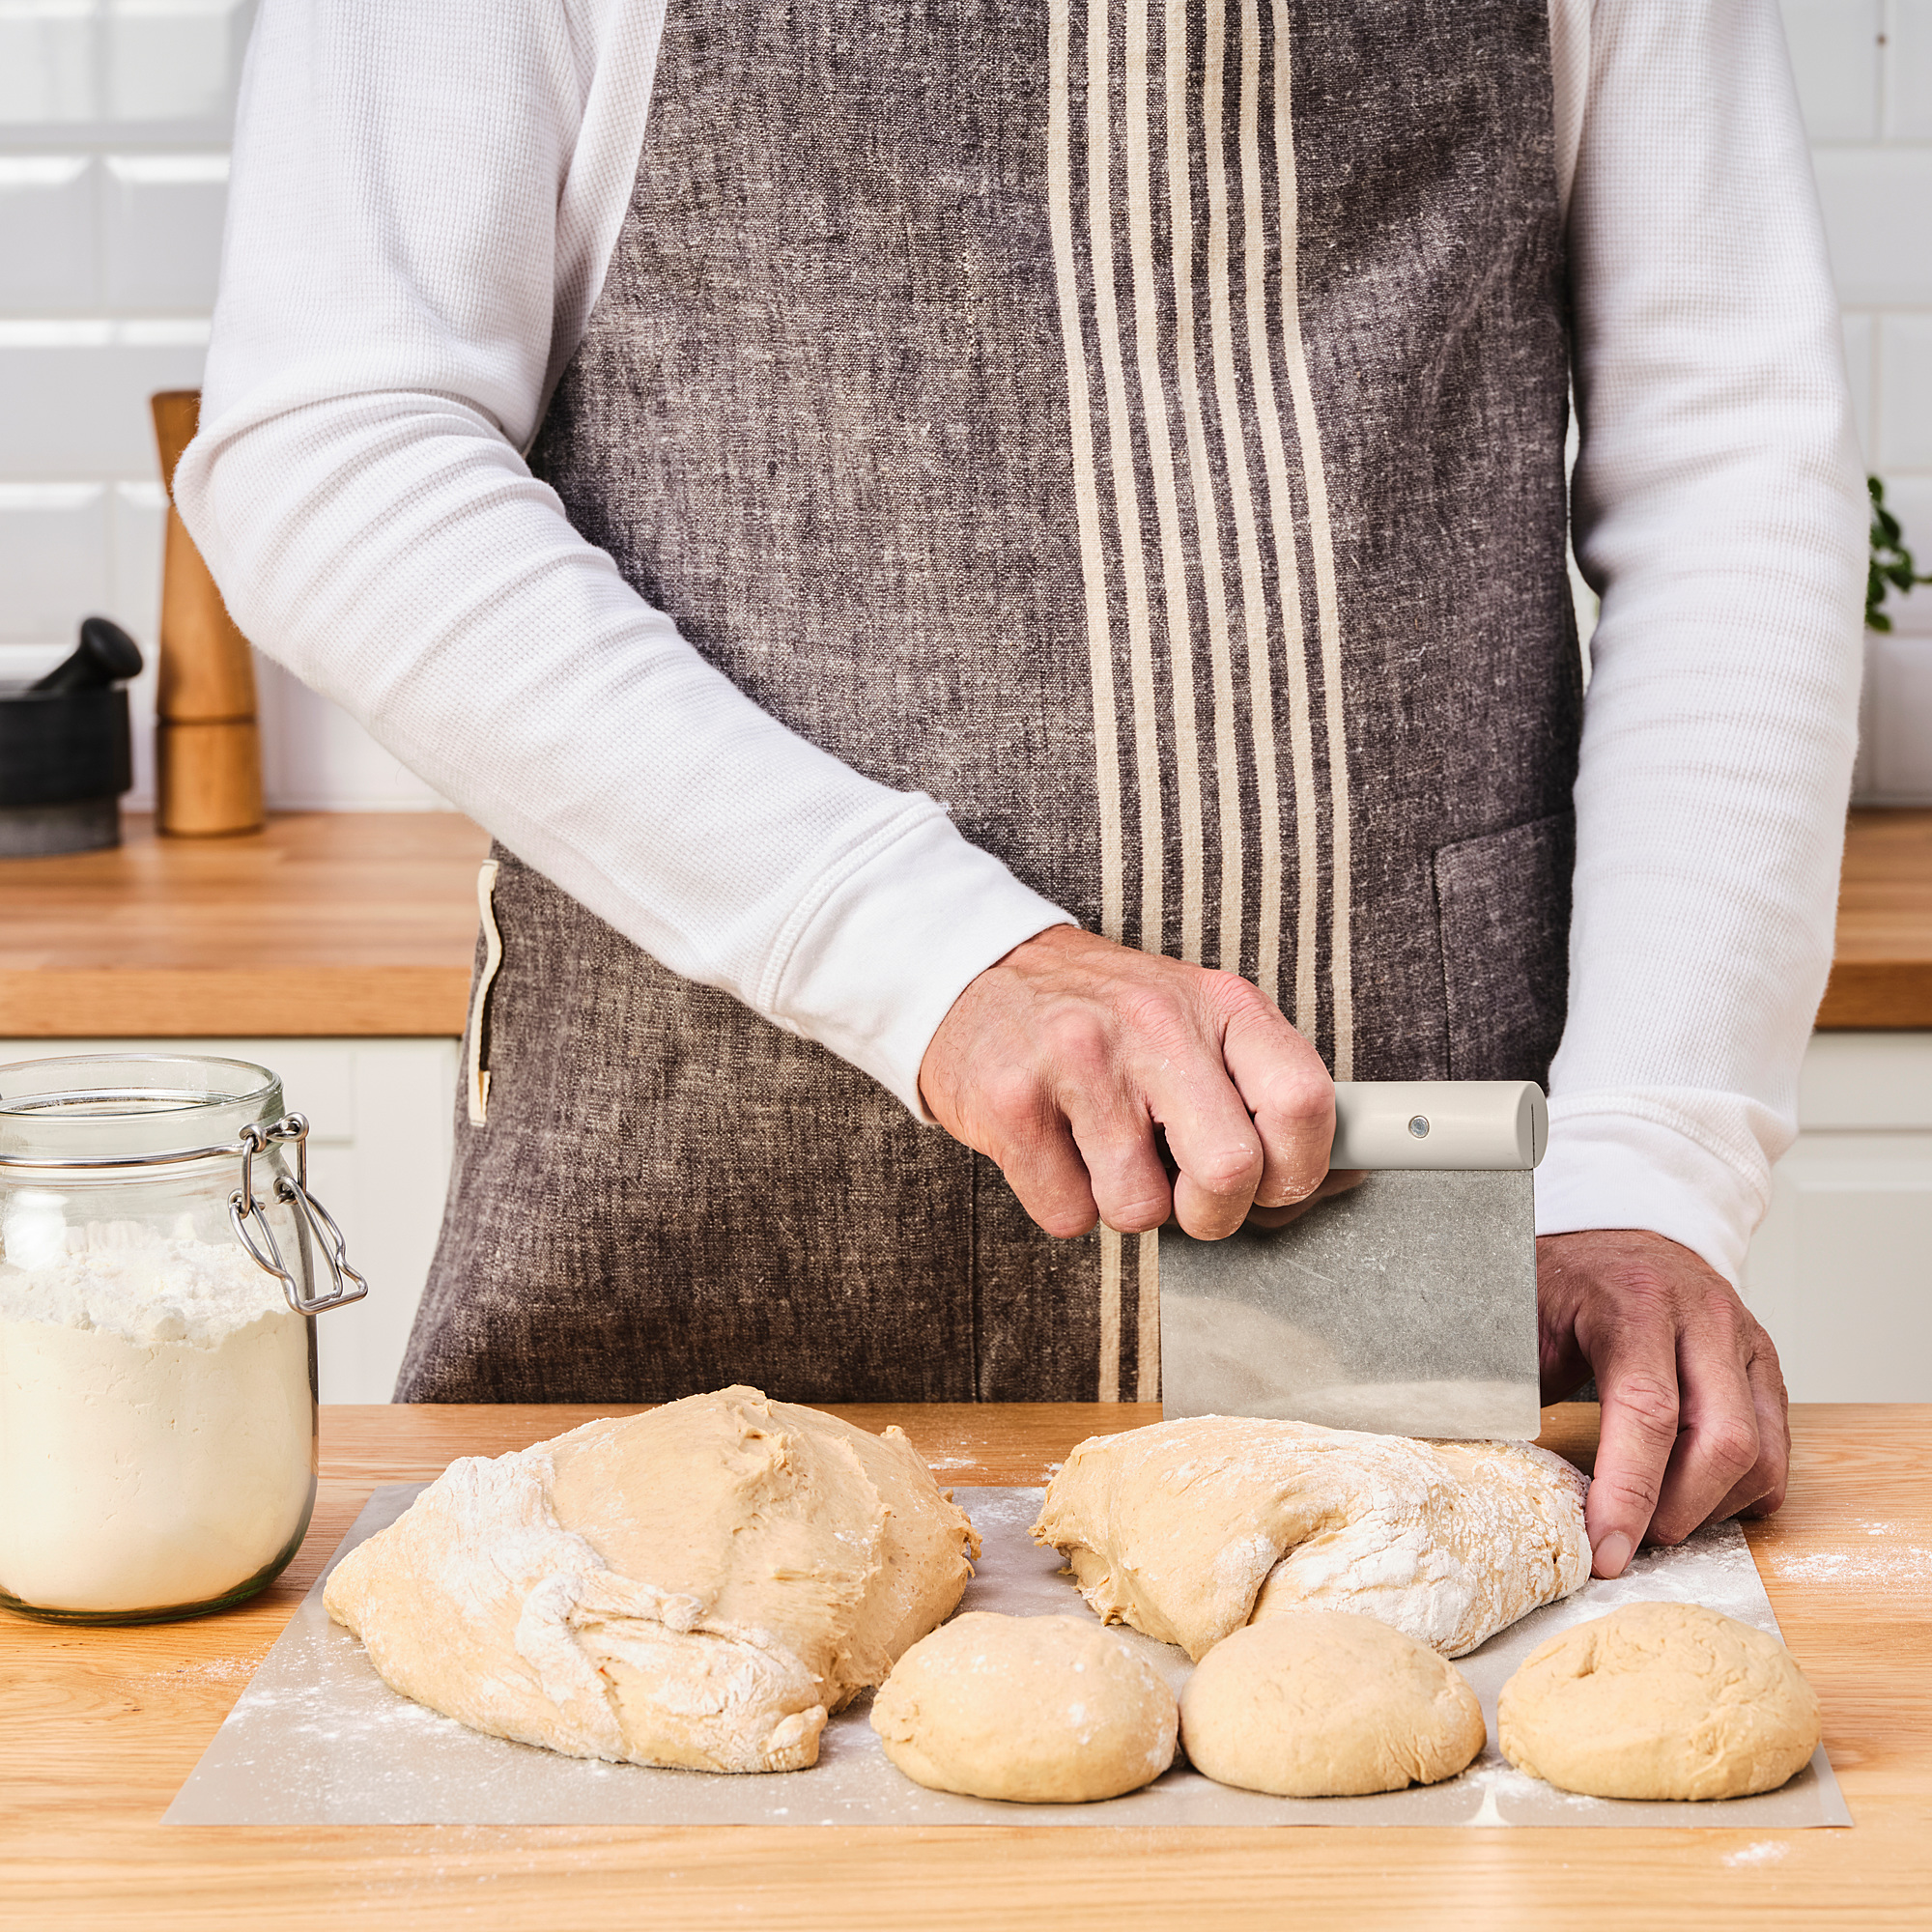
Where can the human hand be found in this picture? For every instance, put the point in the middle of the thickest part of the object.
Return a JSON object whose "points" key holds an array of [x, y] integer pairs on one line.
{"points": [[1337, 1180], [1694, 1425], [1061, 1060]]}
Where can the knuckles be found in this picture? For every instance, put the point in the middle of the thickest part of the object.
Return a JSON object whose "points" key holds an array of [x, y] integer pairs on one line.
{"points": [[1649, 1401], [1232, 1170], [1011, 1098], [1077, 1043], [1137, 1217], [1634, 1492], [1731, 1443], [1159, 1023], [1237, 1001]]}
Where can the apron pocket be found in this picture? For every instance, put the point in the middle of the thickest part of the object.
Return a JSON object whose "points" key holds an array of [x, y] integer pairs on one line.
{"points": [[1502, 907]]}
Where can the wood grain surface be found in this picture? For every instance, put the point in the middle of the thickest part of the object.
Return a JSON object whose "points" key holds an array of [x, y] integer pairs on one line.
{"points": [[362, 924], [102, 1726], [322, 923], [1881, 972]]}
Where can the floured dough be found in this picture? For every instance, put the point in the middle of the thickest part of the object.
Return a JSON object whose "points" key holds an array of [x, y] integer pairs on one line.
{"points": [[1659, 1700], [1188, 1529], [701, 1585], [1324, 1704], [1046, 1710]]}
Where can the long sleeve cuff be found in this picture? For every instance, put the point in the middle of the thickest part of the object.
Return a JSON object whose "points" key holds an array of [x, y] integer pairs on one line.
{"points": [[1689, 1164], [873, 959]]}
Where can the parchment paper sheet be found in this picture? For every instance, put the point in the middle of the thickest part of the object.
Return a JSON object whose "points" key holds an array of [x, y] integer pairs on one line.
{"points": [[319, 1739]]}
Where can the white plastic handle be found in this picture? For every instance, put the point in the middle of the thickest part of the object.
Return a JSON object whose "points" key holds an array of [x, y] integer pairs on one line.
{"points": [[1439, 1123]]}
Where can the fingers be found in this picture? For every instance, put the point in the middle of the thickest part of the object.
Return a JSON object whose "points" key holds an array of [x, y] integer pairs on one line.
{"points": [[1062, 1059], [1718, 1441], [1694, 1424], [1761, 1492], [1114, 1138], [1637, 1383], [1047, 1173], [1213, 1139], [1337, 1180], [1285, 1087], [1562, 1290], [1250, 1120]]}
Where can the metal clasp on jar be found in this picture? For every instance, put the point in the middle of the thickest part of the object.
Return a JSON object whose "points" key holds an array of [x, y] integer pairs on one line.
{"points": [[244, 1208]]}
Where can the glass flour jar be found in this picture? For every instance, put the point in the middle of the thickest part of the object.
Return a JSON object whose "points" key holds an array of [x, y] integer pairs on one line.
{"points": [[158, 1381]]}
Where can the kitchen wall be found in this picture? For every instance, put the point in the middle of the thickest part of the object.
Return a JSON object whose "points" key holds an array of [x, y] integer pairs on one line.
{"points": [[115, 117], [115, 121], [1864, 74]]}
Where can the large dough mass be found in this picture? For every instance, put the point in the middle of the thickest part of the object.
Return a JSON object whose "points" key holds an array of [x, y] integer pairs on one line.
{"points": [[1327, 1705], [1189, 1529], [701, 1585], [1045, 1710], [1659, 1700]]}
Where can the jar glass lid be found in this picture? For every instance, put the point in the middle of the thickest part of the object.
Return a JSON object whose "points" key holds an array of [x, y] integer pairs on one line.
{"points": [[90, 1106]]}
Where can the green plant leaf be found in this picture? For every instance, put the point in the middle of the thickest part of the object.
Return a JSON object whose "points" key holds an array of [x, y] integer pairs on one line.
{"points": [[1892, 566]]}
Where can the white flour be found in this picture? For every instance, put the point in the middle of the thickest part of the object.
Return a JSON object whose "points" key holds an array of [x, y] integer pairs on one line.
{"points": [[155, 1428]]}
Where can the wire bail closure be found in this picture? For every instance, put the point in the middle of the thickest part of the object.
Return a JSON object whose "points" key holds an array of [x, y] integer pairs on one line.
{"points": [[244, 1208]]}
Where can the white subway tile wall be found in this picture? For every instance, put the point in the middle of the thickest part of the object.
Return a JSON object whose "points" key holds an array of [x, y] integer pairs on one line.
{"points": [[1865, 75], [115, 117], [1834, 47], [1907, 88], [47, 259], [115, 123], [161, 229]]}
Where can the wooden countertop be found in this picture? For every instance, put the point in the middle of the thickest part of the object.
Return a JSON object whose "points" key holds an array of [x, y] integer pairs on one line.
{"points": [[102, 1726], [1882, 974], [324, 924], [363, 923]]}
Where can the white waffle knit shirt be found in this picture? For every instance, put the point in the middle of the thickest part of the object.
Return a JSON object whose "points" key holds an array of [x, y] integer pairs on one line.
{"points": [[423, 203]]}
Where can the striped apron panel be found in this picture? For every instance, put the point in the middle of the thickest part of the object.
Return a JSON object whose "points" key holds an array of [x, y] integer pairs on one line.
{"points": [[1139, 424]]}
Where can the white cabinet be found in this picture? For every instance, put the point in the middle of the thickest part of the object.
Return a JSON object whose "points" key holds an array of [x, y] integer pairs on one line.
{"points": [[1842, 1270], [380, 1115]]}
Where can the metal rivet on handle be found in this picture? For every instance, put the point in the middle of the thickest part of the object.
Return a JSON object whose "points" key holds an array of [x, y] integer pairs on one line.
{"points": [[1419, 1127]]}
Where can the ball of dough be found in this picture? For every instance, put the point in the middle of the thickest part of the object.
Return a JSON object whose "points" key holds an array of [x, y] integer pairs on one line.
{"points": [[1328, 1704], [1046, 1710], [1659, 1700]]}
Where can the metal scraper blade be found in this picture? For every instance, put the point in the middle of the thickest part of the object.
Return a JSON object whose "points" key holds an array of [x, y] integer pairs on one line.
{"points": [[1405, 1306]]}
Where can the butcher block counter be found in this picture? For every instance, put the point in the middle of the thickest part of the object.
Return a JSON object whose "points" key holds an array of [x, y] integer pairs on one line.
{"points": [[101, 1727], [353, 923]]}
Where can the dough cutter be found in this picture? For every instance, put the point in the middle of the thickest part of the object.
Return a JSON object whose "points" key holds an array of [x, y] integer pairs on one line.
{"points": [[1406, 1305]]}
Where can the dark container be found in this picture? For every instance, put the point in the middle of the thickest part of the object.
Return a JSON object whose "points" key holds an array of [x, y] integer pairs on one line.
{"points": [[65, 752]]}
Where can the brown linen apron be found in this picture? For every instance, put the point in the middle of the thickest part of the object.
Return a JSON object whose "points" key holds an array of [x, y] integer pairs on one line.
{"points": [[1140, 427]]}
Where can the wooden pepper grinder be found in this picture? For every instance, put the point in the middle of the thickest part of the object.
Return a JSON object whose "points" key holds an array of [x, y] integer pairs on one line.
{"points": [[209, 743]]}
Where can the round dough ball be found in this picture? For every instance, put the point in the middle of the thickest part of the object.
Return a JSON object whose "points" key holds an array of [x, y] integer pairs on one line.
{"points": [[1659, 1700], [1046, 1710], [1328, 1704]]}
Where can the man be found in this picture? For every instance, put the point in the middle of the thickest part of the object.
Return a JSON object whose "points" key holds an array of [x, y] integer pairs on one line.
{"points": [[1139, 427]]}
